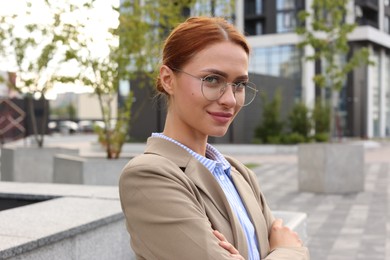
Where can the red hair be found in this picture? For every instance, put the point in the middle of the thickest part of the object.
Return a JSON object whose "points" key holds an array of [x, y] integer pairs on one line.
{"points": [[194, 35]]}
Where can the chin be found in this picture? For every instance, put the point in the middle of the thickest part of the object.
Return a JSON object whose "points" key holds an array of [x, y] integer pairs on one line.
{"points": [[218, 133]]}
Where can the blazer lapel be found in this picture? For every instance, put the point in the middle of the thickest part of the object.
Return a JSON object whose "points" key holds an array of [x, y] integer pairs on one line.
{"points": [[206, 182], [252, 207]]}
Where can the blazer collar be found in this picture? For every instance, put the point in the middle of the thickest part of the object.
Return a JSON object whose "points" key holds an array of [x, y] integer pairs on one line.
{"points": [[193, 169], [169, 150]]}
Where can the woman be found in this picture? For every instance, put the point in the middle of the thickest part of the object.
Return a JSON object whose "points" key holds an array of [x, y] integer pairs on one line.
{"points": [[182, 199]]}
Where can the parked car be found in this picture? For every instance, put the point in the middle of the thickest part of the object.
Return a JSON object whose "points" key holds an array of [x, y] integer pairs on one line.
{"points": [[86, 126], [64, 127]]}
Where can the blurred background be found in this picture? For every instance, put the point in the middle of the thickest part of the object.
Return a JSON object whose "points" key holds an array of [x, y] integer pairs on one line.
{"points": [[86, 62]]}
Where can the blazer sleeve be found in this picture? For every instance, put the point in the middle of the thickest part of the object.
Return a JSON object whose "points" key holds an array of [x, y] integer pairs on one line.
{"points": [[281, 253], [164, 213]]}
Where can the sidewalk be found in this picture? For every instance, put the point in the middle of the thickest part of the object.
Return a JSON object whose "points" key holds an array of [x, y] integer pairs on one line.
{"points": [[339, 227]]}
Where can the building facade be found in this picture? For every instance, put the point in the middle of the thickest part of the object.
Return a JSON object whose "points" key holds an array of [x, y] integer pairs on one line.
{"points": [[277, 63], [365, 98]]}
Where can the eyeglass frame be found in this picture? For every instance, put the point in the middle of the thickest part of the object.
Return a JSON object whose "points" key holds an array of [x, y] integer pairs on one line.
{"points": [[234, 86]]}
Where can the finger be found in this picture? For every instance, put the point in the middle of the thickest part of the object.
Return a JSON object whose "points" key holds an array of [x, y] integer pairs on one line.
{"points": [[219, 235], [277, 223], [237, 256], [229, 247]]}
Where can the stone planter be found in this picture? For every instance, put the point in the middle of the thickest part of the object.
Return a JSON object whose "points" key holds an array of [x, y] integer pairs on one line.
{"points": [[74, 222], [87, 170], [331, 168], [30, 164]]}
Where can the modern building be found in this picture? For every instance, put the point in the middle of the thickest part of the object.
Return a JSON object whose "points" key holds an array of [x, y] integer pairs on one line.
{"points": [[278, 64], [365, 98], [86, 106]]}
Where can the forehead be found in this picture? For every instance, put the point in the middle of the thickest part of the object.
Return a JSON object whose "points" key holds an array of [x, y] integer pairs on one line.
{"points": [[224, 56]]}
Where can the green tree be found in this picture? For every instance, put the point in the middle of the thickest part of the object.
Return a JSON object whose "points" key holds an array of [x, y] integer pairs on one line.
{"points": [[321, 119], [271, 126], [132, 52], [300, 124], [71, 111], [144, 25], [34, 49], [327, 34]]}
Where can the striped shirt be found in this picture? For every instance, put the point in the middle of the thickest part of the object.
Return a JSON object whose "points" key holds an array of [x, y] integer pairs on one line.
{"points": [[216, 163]]}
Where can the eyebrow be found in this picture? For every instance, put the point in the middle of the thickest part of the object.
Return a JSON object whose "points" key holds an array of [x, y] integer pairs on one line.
{"points": [[225, 75]]}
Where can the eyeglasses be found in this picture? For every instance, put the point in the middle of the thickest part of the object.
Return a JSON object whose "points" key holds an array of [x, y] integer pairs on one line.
{"points": [[214, 86]]}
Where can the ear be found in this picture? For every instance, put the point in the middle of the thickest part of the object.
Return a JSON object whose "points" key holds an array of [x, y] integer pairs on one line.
{"points": [[167, 79]]}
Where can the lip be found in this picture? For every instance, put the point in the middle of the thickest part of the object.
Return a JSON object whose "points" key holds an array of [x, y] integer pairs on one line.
{"points": [[221, 117]]}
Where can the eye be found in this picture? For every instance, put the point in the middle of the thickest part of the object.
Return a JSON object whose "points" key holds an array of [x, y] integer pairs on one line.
{"points": [[240, 86], [213, 80]]}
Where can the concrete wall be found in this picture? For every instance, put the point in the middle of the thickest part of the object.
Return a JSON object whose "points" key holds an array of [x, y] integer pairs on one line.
{"points": [[331, 168], [105, 242], [88, 106], [87, 170], [78, 222], [30, 164], [148, 114]]}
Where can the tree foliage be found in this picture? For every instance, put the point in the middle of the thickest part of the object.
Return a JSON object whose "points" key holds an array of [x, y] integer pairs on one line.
{"points": [[321, 120], [132, 51], [142, 28], [132, 48], [299, 122], [34, 49], [271, 127], [327, 35]]}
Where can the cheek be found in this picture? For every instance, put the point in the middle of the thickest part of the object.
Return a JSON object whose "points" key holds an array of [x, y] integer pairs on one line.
{"points": [[237, 109]]}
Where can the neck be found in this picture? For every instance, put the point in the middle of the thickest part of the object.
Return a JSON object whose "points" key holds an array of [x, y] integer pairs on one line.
{"points": [[189, 137]]}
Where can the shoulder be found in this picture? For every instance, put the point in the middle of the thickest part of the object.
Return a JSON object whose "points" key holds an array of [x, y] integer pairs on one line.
{"points": [[148, 172], [150, 162]]}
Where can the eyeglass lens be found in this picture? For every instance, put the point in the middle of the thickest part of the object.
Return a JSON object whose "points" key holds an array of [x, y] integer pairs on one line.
{"points": [[213, 88]]}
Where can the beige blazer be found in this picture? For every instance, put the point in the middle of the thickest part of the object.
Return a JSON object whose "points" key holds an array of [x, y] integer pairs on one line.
{"points": [[172, 203]]}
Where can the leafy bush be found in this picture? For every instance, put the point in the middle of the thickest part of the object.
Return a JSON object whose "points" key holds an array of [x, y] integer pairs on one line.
{"points": [[321, 137], [321, 120], [300, 122], [270, 129], [294, 138]]}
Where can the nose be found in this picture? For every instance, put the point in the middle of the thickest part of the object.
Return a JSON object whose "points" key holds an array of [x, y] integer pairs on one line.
{"points": [[228, 97]]}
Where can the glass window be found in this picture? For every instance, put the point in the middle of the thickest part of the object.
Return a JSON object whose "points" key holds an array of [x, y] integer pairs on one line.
{"points": [[254, 27], [278, 61], [386, 26], [253, 7], [286, 22], [259, 6], [285, 4], [387, 94], [375, 92], [217, 8], [259, 28]]}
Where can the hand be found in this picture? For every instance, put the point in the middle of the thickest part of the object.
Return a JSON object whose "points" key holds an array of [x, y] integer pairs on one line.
{"points": [[282, 236], [227, 246]]}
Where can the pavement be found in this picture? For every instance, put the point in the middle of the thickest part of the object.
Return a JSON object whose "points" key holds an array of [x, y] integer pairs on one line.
{"points": [[339, 227]]}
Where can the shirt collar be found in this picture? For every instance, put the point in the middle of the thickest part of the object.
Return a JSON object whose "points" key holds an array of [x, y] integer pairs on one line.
{"points": [[212, 159]]}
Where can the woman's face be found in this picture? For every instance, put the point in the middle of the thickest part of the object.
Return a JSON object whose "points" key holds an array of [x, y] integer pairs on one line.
{"points": [[191, 112]]}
